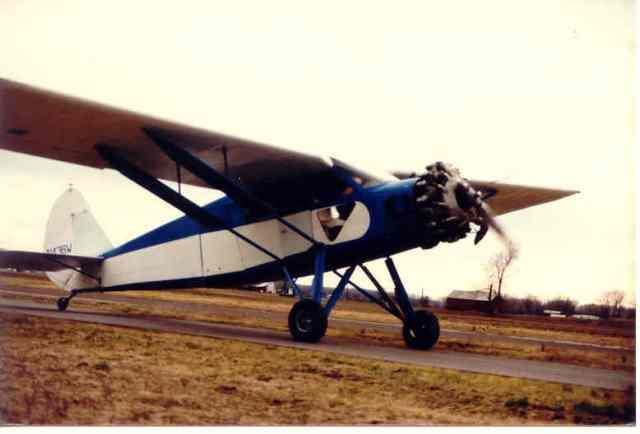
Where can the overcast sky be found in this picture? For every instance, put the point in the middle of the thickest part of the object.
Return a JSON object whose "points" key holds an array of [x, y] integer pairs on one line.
{"points": [[535, 92]]}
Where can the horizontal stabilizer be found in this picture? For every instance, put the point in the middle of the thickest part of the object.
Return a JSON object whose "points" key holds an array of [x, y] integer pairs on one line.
{"points": [[35, 261]]}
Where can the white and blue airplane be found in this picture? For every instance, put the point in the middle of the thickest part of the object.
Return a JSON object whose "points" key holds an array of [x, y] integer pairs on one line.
{"points": [[286, 214]]}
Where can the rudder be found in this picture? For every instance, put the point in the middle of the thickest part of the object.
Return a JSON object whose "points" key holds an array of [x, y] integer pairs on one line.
{"points": [[72, 229]]}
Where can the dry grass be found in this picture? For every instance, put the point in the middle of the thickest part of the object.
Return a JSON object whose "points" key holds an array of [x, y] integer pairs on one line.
{"points": [[606, 333], [251, 303], [61, 372], [562, 329], [595, 359]]}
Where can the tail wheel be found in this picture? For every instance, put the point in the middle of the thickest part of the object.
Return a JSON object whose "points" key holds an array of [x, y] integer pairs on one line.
{"points": [[307, 321], [423, 332], [63, 303]]}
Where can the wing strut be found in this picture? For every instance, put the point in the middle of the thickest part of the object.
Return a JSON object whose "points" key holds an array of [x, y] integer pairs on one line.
{"points": [[219, 181], [167, 194], [201, 215]]}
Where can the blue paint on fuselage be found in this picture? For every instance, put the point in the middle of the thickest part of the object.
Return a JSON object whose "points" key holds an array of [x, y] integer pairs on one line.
{"points": [[392, 229], [179, 228]]}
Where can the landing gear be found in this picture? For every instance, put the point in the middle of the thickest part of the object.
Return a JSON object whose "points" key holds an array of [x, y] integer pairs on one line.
{"points": [[421, 329], [307, 321], [63, 303], [423, 332], [308, 318]]}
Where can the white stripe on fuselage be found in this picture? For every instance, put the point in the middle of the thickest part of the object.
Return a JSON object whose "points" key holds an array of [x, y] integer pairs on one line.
{"points": [[222, 252]]}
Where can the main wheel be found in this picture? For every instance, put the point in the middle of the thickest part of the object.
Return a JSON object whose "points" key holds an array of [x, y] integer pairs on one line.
{"points": [[307, 321], [423, 332]]}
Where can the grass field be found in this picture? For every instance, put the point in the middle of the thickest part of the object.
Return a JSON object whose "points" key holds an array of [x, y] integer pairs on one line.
{"points": [[613, 333], [62, 372]]}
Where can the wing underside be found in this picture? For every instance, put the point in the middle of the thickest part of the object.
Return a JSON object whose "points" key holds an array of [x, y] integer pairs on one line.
{"points": [[55, 126]]}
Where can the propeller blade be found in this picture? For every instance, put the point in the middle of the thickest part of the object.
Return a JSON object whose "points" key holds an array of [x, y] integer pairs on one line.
{"points": [[442, 187], [489, 218]]}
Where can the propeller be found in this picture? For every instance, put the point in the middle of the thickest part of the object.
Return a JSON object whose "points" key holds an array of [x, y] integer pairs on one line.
{"points": [[491, 222], [486, 216], [462, 202]]}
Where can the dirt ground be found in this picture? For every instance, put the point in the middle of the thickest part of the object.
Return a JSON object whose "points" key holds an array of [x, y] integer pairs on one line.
{"points": [[62, 372]]}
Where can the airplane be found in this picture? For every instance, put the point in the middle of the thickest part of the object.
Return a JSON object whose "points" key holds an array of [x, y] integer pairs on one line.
{"points": [[286, 214]]}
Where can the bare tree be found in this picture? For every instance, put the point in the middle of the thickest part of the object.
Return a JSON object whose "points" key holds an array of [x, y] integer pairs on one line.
{"points": [[613, 301], [498, 268]]}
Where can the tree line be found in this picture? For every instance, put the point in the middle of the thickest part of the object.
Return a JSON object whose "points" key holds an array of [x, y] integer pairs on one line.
{"points": [[609, 304]]}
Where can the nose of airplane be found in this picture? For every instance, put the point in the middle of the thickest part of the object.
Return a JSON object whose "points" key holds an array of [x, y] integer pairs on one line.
{"points": [[448, 206]]}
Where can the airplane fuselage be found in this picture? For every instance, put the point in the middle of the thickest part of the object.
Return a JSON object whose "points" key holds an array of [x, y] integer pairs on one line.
{"points": [[368, 223]]}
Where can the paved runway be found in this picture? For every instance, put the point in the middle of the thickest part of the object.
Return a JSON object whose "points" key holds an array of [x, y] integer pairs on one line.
{"points": [[53, 294], [547, 371]]}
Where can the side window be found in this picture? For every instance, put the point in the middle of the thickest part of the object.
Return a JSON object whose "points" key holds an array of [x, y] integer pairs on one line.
{"points": [[333, 218]]}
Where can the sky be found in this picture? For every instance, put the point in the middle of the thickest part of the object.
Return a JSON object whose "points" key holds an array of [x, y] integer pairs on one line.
{"points": [[535, 93]]}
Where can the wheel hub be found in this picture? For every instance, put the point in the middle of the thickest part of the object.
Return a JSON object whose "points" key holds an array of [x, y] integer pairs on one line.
{"points": [[423, 331], [304, 321], [307, 321]]}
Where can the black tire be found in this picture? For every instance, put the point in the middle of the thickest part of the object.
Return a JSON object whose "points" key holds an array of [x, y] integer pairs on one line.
{"points": [[424, 331], [63, 303], [307, 321]]}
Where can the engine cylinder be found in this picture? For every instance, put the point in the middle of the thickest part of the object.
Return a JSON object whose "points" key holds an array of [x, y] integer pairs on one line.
{"points": [[446, 205]]}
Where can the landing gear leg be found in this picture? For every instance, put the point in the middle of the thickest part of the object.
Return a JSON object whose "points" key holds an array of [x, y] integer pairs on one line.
{"points": [[308, 319], [420, 329]]}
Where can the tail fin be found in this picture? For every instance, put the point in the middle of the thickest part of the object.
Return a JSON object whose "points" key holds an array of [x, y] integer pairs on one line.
{"points": [[72, 229]]}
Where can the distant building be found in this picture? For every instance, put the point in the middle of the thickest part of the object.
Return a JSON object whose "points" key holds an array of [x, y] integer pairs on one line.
{"points": [[472, 300], [266, 287], [583, 316], [554, 313]]}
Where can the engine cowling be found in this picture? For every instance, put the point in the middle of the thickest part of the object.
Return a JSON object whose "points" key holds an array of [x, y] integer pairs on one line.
{"points": [[448, 206]]}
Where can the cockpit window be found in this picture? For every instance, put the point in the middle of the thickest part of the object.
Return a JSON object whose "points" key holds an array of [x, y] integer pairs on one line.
{"points": [[333, 218]]}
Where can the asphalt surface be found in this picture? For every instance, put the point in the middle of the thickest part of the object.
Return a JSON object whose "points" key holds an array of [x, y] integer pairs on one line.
{"points": [[212, 309], [547, 371]]}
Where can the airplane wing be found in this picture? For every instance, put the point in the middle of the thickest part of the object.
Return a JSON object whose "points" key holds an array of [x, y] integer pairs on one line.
{"points": [[35, 261], [59, 127], [505, 198], [50, 125]]}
